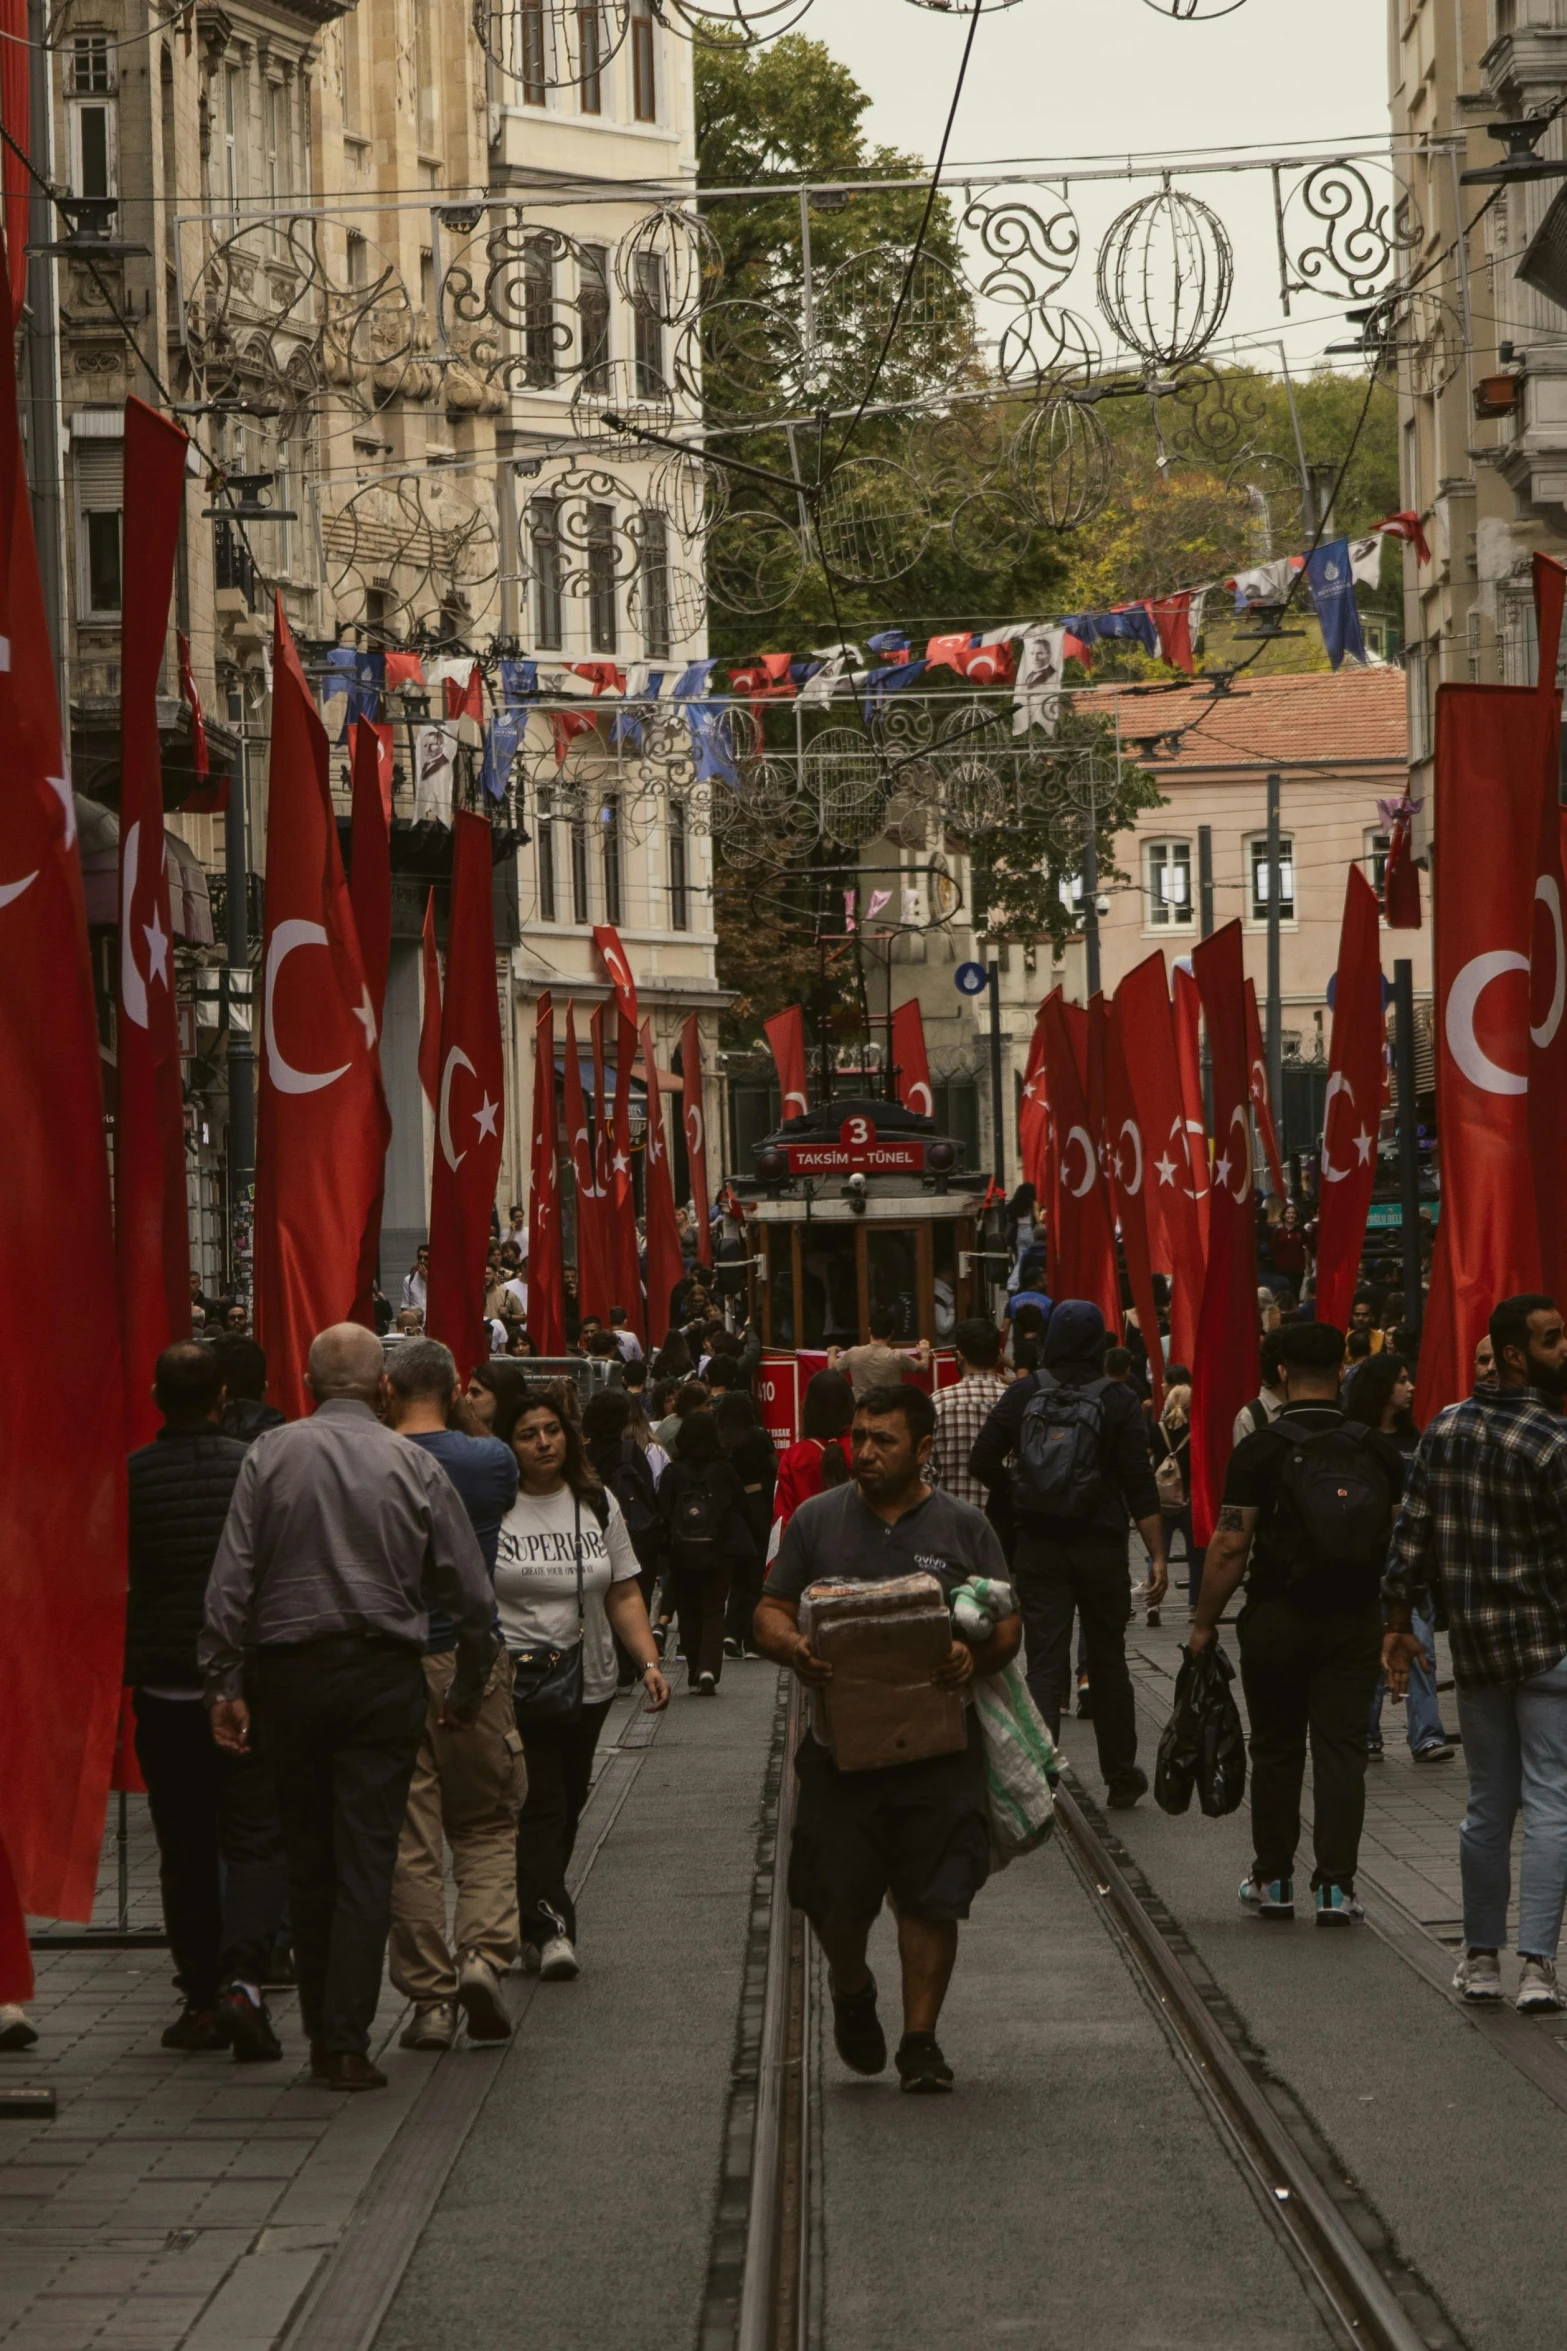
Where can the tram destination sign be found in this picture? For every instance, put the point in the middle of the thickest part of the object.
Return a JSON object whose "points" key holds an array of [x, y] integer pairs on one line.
{"points": [[859, 1151]]}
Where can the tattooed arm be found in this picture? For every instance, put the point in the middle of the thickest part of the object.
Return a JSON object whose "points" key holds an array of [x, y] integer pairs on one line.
{"points": [[1222, 1570]]}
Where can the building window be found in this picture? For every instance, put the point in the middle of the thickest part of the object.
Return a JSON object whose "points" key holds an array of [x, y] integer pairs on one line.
{"points": [[544, 534], [610, 844], [593, 314], [546, 853], [1169, 885], [99, 468], [93, 130], [602, 618], [590, 57], [644, 85], [348, 32], [581, 905], [653, 585], [531, 29], [647, 304], [538, 318], [358, 259], [1257, 854], [429, 89], [1377, 845], [679, 866]]}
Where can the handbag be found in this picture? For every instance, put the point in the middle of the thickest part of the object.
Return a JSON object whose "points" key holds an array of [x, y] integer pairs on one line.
{"points": [[1172, 1486], [547, 1683]]}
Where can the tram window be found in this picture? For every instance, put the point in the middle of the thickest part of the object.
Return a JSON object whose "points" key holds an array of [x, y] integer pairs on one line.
{"points": [[780, 1287], [829, 1286], [944, 1272], [892, 1279]]}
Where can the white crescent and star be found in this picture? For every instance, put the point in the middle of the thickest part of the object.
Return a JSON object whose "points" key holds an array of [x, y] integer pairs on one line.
{"points": [[61, 787], [1129, 1127], [1183, 1127], [288, 935], [456, 1059], [800, 1113], [1364, 1142], [921, 1099], [133, 987], [1549, 896], [1463, 1000], [696, 1131], [1078, 1135]]}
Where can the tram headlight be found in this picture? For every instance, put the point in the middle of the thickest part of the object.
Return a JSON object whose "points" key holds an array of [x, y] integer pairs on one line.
{"points": [[856, 1192], [772, 1166], [941, 1157]]}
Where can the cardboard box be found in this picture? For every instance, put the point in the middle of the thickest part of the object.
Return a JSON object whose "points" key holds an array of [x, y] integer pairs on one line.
{"points": [[883, 1641]]}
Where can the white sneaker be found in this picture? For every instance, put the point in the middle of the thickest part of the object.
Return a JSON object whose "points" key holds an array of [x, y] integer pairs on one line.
{"points": [[479, 1991], [1478, 1976], [529, 1958], [15, 2031], [1537, 1988], [558, 1961], [706, 1684], [434, 2026]]}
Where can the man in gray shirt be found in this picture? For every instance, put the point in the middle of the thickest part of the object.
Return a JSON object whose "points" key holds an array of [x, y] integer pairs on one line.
{"points": [[316, 1606]]}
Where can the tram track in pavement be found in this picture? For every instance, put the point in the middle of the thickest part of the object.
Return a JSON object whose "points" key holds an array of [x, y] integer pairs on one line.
{"points": [[763, 2290]]}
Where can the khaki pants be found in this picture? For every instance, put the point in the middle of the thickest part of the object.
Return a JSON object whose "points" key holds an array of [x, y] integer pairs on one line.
{"points": [[469, 1785]]}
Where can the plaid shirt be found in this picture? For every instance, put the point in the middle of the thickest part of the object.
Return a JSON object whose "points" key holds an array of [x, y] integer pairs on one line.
{"points": [[961, 1413], [1485, 1520]]}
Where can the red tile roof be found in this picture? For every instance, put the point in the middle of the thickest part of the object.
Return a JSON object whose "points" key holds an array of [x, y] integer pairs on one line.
{"points": [[1349, 715]]}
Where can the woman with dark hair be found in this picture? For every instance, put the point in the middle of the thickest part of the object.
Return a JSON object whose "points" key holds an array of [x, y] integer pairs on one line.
{"points": [[807, 1465], [750, 1450], [1380, 1395], [623, 1467], [520, 1343], [691, 1396], [673, 1360], [495, 1390], [566, 1582], [703, 1509]]}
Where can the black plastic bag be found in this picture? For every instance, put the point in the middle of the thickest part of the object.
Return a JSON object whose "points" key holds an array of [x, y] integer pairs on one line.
{"points": [[1203, 1745]]}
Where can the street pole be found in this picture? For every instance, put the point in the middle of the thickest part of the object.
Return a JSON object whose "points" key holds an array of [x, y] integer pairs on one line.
{"points": [[1408, 1136], [241, 1049], [1275, 1003], [999, 1172], [1090, 897], [1205, 881], [43, 359]]}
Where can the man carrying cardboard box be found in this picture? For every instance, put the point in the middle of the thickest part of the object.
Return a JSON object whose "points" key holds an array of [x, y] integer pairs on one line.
{"points": [[919, 1831]]}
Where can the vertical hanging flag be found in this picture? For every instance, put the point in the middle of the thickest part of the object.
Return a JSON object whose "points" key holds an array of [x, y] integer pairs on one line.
{"points": [[1187, 1009], [16, 114], [786, 1035], [370, 875], [1174, 1226], [693, 1112], [1547, 1097], [625, 1271], [546, 1271], [618, 964], [910, 1059], [1330, 574], [1129, 1163], [664, 1263], [593, 1284], [1262, 1107], [322, 1127], [1083, 1265], [1033, 1115], [1400, 875], [62, 1471], [470, 1118], [192, 701], [430, 1011], [152, 1236], [603, 1148], [1224, 1368], [1353, 1105]]}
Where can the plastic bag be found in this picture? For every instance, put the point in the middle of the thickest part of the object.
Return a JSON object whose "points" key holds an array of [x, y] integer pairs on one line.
{"points": [[1203, 1745], [1021, 1767]]}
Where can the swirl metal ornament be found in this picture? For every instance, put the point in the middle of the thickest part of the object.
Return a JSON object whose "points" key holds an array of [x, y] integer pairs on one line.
{"points": [[1356, 234], [278, 311], [409, 557], [1166, 272], [550, 44]]}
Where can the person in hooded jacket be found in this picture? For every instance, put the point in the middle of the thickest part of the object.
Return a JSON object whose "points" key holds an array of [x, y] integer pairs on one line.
{"points": [[242, 1368], [1076, 1559]]}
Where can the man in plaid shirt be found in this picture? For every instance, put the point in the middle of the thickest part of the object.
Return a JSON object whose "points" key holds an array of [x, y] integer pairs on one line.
{"points": [[961, 1412], [1484, 1522]]}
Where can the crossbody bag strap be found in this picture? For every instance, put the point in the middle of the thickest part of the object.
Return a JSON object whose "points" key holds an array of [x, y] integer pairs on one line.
{"points": [[576, 1512]]}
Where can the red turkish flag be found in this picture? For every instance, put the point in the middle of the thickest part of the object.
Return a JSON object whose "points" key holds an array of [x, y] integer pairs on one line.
{"points": [[430, 1015], [693, 1113], [198, 725], [1129, 1171], [618, 964], [470, 1112], [1494, 762], [665, 1265], [1033, 1116], [1401, 880], [625, 1273], [1261, 1106], [1084, 1262], [1547, 1096], [1224, 1367], [786, 1035], [546, 1272], [152, 1231], [62, 1471], [911, 1060], [322, 1125], [593, 1284], [16, 114], [1188, 1060], [16, 1959], [370, 880], [603, 1148], [1174, 1231], [1353, 1107]]}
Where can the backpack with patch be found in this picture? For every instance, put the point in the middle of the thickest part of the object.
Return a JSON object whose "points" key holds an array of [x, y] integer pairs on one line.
{"points": [[695, 1527], [1334, 1520], [1060, 1450]]}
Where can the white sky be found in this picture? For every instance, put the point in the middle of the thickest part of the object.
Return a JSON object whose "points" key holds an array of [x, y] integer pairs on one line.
{"points": [[1110, 78]]}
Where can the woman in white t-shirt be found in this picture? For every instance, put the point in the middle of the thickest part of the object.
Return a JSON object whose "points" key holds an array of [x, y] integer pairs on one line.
{"points": [[562, 1515]]}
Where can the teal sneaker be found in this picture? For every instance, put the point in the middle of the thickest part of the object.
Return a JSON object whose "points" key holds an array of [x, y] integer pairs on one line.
{"points": [[1268, 1897], [1337, 1907]]}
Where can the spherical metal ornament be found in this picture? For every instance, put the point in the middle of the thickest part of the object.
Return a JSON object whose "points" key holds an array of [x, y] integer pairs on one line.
{"points": [[842, 774], [1166, 271], [731, 24], [1061, 463], [1188, 11], [669, 264], [615, 394], [755, 561], [551, 44], [872, 522]]}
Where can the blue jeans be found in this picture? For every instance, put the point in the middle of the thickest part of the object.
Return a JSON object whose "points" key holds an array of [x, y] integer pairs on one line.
{"points": [[1515, 1748], [1424, 1723]]}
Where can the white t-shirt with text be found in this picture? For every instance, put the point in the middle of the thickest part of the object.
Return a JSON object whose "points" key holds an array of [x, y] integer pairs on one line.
{"points": [[536, 1580]]}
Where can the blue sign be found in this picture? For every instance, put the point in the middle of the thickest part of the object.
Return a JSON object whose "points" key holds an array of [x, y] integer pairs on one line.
{"points": [[1331, 990], [972, 978]]}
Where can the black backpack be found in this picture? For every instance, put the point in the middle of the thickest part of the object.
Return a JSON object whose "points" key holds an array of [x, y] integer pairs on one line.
{"points": [[1334, 1519], [696, 1527], [630, 1480], [1060, 1450]]}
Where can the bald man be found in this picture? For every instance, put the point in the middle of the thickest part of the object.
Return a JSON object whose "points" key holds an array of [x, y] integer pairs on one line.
{"points": [[316, 1617]]}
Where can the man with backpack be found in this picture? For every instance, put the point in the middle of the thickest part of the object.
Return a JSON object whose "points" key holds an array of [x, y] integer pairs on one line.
{"points": [[1080, 1473], [1306, 1518]]}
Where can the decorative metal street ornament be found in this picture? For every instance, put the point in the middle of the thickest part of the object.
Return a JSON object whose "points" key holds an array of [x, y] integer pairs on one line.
{"points": [[1166, 270], [550, 44], [1186, 11], [738, 24], [872, 522], [1061, 463]]}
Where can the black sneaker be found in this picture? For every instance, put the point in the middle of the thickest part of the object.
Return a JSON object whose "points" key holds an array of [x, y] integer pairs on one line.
{"points": [[1125, 1789], [922, 2070], [196, 2029], [856, 2030], [248, 2027], [1085, 1703]]}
